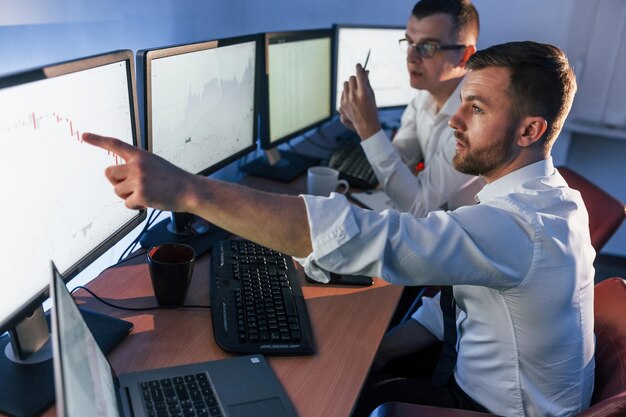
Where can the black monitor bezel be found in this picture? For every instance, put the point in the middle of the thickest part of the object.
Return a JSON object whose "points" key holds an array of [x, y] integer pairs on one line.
{"points": [[55, 70], [298, 35], [336, 28], [144, 59]]}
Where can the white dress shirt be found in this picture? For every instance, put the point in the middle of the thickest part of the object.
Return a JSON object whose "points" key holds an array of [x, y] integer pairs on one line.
{"points": [[521, 263], [424, 134]]}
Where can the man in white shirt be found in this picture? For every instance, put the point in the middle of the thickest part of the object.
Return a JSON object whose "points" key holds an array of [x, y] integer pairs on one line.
{"points": [[440, 38], [520, 261]]}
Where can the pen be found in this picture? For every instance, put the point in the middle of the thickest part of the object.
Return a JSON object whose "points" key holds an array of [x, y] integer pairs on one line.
{"points": [[367, 59]]}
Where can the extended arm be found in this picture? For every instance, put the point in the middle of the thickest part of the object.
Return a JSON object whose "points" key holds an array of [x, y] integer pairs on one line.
{"points": [[146, 180]]}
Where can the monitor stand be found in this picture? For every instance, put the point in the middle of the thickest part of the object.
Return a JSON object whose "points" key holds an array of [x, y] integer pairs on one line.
{"points": [[184, 228], [280, 165], [28, 385]]}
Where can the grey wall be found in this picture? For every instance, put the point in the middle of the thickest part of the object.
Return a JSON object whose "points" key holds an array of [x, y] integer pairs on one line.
{"points": [[36, 32]]}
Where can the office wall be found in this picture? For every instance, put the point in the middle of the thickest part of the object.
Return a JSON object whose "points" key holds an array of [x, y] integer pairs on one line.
{"points": [[36, 32], [510, 20]]}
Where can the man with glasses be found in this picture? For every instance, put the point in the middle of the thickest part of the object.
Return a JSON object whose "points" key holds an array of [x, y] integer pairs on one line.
{"points": [[440, 37]]}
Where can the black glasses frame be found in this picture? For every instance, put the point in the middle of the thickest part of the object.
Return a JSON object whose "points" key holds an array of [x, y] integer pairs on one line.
{"points": [[426, 49]]}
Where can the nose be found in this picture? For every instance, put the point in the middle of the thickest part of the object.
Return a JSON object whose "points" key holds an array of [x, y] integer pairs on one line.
{"points": [[456, 122], [412, 55]]}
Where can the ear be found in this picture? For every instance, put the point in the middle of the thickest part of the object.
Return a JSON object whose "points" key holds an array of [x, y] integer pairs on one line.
{"points": [[531, 130], [467, 53]]}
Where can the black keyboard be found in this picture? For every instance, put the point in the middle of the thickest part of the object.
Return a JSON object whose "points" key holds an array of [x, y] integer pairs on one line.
{"points": [[256, 301], [353, 166], [188, 395]]}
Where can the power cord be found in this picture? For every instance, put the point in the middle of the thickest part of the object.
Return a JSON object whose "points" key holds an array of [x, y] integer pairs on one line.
{"points": [[94, 295], [131, 247], [124, 260]]}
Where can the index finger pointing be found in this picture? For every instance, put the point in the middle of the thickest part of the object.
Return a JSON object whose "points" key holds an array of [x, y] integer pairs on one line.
{"points": [[116, 146]]}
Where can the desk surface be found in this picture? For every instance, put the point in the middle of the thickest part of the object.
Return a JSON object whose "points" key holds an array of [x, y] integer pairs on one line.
{"points": [[348, 324]]}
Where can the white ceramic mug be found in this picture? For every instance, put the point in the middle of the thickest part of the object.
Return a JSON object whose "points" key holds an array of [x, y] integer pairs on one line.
{"points": [[324, 180]]}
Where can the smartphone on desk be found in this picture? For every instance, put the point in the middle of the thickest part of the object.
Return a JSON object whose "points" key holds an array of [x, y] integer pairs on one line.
{"points": [[339, 279]]}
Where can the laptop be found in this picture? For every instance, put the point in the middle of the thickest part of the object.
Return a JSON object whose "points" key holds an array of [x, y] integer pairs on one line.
{"points": [[86, 384]]}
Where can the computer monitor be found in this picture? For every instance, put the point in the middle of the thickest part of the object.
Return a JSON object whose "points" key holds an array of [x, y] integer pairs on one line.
{"points": [[57, 203], [200, 113], [297, 97], [387, 68]]}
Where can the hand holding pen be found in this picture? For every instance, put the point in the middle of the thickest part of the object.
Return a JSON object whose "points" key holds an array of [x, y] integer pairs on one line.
{"points": [[367, 58], [358, 108]]}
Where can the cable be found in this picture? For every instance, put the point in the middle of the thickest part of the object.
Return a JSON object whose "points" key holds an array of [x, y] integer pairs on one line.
{"points": [[133, 244], [151, 219], [134, 308]]}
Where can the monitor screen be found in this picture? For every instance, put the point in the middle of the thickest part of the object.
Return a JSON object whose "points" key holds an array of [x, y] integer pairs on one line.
{"points": [[200, 102], [299, 84], [388, 73], [57, 203]]}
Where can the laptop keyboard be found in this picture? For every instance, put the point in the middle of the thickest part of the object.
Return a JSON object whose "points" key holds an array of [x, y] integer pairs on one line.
{"points": [[183, 396]]}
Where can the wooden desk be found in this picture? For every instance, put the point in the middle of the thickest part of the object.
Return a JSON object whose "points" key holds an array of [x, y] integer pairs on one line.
{"points": [[348, 324]]}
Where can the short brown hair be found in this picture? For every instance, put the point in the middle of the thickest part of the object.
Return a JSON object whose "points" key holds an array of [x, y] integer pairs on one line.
{"points": [[542, 81], [464, 16]]}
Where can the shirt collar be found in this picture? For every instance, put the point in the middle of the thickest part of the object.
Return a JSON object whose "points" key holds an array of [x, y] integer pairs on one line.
{"points": [[453, 102], [503, 186]]}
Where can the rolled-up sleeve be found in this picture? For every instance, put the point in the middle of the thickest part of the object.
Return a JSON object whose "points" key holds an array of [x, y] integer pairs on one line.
{"points": [[442, 248], [332, 224]]}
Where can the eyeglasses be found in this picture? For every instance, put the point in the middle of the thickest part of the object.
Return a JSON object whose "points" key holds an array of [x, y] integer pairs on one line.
{"points": [[426, 49]]}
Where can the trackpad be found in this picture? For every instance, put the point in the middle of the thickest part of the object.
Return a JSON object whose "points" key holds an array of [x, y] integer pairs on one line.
{"points": [[271, 407]]}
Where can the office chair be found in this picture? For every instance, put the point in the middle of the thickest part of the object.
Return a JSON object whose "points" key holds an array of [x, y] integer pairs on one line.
{"points": [[606, 213], [609, 395]]}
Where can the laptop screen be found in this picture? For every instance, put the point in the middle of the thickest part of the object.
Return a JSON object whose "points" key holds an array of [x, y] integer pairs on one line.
{"points": [[83, 378]]}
